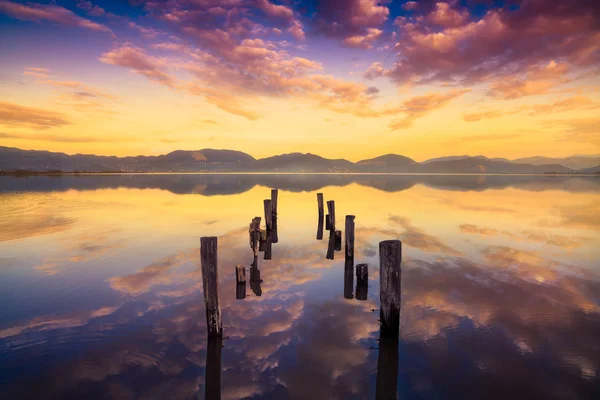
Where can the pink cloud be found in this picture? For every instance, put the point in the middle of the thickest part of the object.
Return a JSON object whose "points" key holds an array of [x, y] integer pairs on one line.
{"points": [[446, 45], [140, 62], [50, 13]]}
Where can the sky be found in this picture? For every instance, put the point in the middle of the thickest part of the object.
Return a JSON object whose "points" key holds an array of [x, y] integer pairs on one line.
{"points": [[350, 79]]}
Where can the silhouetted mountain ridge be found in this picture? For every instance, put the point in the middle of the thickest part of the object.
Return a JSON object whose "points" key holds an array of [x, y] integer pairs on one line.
{"points": [[212, 160]]}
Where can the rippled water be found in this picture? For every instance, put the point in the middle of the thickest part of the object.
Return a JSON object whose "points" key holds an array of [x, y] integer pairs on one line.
{"points": [[101, 292]]}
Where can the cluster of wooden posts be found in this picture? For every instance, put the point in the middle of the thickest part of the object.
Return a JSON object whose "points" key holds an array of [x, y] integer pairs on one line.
{"points": [[261, 240]]}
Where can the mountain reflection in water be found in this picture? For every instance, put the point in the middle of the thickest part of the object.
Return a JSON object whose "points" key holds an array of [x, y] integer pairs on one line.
{"points": [[101, 288]]}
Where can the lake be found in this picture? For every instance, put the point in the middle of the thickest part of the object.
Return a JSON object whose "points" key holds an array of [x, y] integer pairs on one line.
{"points": [[101, 288]]}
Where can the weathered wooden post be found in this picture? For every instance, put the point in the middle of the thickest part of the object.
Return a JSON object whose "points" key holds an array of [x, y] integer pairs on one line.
{"points": [[349, 236], [390, 263], [328, 222], [240, 291], [348, 279], [210, 283], [338, 240], [362, 282], [387, 369], [263, 240], [268, 214], [212, 381], [274, 195], [320, 203], [331, 209]]}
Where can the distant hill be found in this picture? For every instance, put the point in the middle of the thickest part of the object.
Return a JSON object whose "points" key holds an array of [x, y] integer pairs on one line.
{"points": [[299, 162], [207, 160], [388, 163], [180, 160], [574, 162]]}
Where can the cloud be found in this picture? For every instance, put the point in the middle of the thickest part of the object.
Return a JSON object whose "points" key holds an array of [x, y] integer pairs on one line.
{"points": [[419, 106], [410, 5], [353, 21], [554, 107], [132, 57], [522, 51], [58, 138], [30, 117], [50, 13], [91, 9], [417, 238]]}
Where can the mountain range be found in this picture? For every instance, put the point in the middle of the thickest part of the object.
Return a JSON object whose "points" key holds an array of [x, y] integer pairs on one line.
{"points": [[211, 160]]}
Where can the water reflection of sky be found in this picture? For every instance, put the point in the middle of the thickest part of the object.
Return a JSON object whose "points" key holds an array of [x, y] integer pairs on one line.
{"points": [[102, 298]]}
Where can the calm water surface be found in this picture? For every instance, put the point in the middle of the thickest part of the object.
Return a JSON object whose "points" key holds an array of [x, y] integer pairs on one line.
{"points": [[101, 293]]}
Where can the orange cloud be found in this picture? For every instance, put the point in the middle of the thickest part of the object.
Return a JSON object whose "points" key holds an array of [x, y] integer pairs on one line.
{"points": [[30, 117]]}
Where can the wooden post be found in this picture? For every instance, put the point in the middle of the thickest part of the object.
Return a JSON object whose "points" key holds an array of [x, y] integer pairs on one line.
{"points": [[387, 369], [320, 203], [362, 274], [212, 374], [274, 195], [362, 282], [348, 279], [210, 283], [390, 264], [327, 222], [338, 240], [268, 214], [331, 209], [240, 274], [349, 236]]}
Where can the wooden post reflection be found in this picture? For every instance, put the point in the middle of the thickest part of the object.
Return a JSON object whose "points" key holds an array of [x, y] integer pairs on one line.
{"points": [[387, 369], [274, 234], [255, 280], [348, 278], [362, 282], [320, 228], [212, 373]]}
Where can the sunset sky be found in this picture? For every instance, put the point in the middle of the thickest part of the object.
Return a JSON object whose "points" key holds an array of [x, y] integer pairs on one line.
{"points": [[347, 79]]}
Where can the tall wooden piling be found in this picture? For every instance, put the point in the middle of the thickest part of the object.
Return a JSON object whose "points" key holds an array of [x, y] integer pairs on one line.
{"points": [[274, 233], [349, 236], [268, 214], [212, 381], [390, 263], [320, 203], [210, 283], [328, 222], [331, 209], [274, 195]]}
